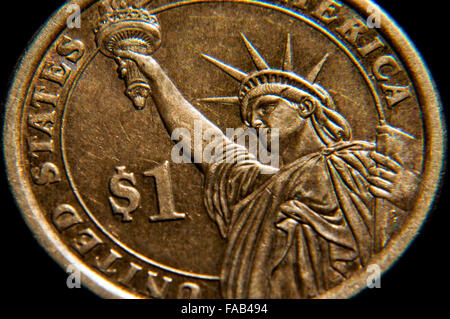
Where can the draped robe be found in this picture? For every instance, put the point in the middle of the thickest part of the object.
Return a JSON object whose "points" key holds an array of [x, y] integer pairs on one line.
{"points": [[272, 253]]}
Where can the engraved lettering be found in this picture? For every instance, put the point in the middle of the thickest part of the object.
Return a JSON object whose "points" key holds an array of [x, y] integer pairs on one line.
{"points": [[41, 95], [37, 146], [189, 290], [65, 217], [104, 266], [157, 291], [351, 29], [47, 173], [395, 94], [165, 194], [132, 271], [326, 11], [86, 241], [54, 72], [274, 98], [72, 50], [371, 47], [43, 121], [385, 61]]}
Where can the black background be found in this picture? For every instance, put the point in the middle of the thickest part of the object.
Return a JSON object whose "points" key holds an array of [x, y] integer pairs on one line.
{"points": [[417, 280]]}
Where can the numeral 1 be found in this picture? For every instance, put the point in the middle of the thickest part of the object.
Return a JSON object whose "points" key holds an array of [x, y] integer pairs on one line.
{"points": [[165, 195]]}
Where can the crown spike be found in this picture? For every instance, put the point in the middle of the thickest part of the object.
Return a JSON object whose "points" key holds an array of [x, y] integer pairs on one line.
{"points": [[254, 54], [287, 63], [233, 100], [312, 76], [234, 73]]}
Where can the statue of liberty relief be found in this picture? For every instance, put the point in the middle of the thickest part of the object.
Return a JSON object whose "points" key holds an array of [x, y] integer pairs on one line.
{"points": [[309, 225]]}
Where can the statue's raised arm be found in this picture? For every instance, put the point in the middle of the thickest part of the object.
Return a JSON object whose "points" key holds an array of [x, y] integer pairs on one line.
{"points": [[175, 111], [327, 199]]}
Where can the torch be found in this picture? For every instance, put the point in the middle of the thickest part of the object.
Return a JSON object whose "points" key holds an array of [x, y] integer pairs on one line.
{"points": [[126, 27]]}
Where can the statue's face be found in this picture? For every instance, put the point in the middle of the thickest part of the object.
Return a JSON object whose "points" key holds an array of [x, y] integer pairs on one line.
{"points": [[275, 112]]}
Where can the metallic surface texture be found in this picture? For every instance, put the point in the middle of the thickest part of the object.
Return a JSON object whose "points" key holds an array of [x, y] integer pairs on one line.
{"points": [[349, 133]]}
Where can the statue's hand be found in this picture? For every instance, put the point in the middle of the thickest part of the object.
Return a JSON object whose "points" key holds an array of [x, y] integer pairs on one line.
{"points": [[397, 145], [393, 182], [148, 66]]}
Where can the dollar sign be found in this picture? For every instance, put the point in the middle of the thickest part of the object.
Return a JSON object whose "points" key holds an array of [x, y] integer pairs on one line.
{"points": [[120, 189]]}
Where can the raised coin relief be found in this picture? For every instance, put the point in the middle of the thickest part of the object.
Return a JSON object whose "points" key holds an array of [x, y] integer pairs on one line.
{"points": [[224, 149], [307, 226]]}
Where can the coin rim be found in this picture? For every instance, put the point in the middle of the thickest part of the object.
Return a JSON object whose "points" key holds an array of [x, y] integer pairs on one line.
{"points": [[425, 88]]}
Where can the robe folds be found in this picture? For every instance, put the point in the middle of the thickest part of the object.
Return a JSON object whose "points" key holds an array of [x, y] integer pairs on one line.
{"points": [[321, 240]]}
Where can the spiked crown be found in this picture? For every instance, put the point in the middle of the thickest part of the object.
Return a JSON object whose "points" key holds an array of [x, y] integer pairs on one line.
{"points": [[266, 75], [330, 125]]}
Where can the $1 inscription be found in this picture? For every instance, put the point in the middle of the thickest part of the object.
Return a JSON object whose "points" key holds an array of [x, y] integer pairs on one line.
{"points": [[122, 186], [318, 221]]}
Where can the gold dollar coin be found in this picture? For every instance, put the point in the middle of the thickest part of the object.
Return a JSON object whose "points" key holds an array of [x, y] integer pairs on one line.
{"points": [[232, 149]]}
